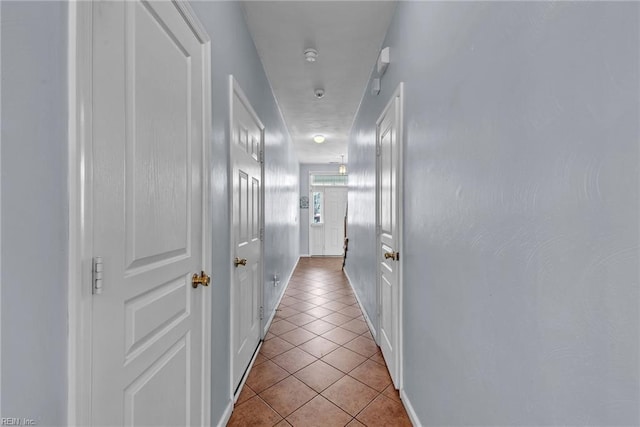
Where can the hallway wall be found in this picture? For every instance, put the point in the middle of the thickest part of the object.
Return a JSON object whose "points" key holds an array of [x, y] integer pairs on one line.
{"points": [[233, 52], [34, 211], [521, 210]]}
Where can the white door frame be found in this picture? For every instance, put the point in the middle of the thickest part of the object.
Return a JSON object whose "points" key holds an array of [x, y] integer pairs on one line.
{"points": [[235, 89], [80, 34], [398, 93]]}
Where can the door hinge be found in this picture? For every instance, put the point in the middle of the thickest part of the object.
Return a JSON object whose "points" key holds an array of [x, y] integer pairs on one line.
{"points": [[377, 149], [96, 280], [262, 234], [261, 312], [378, 230], [262, 156]]}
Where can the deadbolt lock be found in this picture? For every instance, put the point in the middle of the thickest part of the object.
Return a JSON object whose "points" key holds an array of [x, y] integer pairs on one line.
{"points": [[202, 279]]}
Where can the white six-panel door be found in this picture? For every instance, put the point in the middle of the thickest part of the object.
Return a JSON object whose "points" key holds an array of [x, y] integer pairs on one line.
{"points": [[148, 88], [246, 218], [389, 140]]}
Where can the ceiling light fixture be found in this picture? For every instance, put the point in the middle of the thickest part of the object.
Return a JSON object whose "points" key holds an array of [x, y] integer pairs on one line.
{"points": [[310, 54], [319, 139], [342, 169]]}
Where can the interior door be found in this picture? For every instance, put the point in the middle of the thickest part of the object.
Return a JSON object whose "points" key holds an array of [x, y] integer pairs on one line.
{"points": [[335, 200], [388, 218], [147, 320], [246, 217]]}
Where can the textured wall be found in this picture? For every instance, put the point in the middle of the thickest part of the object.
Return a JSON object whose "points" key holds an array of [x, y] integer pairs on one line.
{"points": [[233, 52], [34, 211], [521, 210]]}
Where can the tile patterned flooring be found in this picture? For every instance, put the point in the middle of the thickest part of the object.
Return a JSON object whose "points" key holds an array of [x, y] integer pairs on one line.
{"points": [[319, 365]]}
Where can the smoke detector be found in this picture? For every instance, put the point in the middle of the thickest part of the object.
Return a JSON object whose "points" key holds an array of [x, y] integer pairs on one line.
{"points": [[310, 54], [319, 93]]}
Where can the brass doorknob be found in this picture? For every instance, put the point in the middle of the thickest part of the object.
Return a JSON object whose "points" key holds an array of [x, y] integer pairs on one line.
{"points": [[240, 261], [393, 255], [202, 279]]}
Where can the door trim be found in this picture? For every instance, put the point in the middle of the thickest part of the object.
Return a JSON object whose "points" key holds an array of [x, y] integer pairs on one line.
{"points": [[235, 89], [80, 183], [398, 93]]}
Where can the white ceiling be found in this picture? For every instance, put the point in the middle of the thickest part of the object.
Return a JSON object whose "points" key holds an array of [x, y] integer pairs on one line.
{"points": [[348, 36]]}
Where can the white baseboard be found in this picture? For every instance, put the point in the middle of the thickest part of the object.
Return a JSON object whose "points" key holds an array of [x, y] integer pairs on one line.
{"points": [[246, 374], [304, 255], [364, 312], [409, 407], [273, 313], [226, 416]]}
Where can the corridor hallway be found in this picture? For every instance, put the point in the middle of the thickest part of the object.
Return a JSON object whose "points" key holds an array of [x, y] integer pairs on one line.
{"points": [[319, 365]]}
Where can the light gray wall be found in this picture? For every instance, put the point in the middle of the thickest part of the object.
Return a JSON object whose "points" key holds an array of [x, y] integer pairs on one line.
{"points": [[34, 211], [305, 168], [521, 210], [233, 52]]}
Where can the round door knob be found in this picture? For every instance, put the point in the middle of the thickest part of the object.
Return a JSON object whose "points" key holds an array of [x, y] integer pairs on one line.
{"points": [[201, 279], [392, 255]]}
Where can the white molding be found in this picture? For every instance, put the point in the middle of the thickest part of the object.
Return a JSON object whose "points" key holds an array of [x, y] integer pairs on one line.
{"points": [[0, 216], [235, 89], [231, 237], [194, 23], [80, 215], [207, 243], [409, 408], [372, 329], [246, 374], [226, 415], [80, 184], [400, 206]]}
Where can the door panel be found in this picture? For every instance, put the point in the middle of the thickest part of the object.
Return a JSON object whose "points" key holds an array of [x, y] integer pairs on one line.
{"points": [[158, 73], [389, 234], [246, 217], [147, 324]]}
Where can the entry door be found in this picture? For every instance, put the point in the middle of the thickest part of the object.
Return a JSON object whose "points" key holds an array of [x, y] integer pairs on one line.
{"points": [[246, 218], [147, 320], [389, 184], [335, 200]]}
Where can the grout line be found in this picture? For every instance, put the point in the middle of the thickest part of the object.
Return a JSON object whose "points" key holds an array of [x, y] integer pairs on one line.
{"points": [[313, 284]]}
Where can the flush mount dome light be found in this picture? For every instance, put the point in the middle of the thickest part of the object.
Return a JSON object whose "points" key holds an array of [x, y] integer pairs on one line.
{"points": [[318, 139], [310, 54]]}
